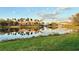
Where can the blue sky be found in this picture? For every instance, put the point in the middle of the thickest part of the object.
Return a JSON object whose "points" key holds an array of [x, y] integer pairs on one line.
{"points": [[22, 11], [34, 12]]}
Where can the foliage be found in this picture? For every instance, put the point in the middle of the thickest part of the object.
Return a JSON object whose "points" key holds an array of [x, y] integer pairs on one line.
{"points": [[75, 19], [15, 22]]}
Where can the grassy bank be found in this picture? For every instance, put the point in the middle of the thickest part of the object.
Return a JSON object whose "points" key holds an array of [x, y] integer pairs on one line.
{"points": [[19, 26], [42, 43]]}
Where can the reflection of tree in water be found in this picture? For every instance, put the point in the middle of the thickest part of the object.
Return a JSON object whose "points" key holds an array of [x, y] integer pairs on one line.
{"points": [[31, 32], [15, 31], [22, 33], [7, 30], [42, 28], [8, 33], [4, 30], [27, 33]]}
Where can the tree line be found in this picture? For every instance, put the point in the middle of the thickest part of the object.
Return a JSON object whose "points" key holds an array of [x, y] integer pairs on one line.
{"points": [[15, 22]]}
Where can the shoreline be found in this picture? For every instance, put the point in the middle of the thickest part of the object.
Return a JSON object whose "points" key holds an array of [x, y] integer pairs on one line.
{"points": [[66, 42]]}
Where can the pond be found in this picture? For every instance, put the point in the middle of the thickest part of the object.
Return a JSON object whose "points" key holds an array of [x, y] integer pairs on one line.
{"points": [[14, 33]]}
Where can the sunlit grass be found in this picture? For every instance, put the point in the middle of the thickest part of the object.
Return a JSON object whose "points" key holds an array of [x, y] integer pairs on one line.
{"points": [[18, 26], [43, 43]]}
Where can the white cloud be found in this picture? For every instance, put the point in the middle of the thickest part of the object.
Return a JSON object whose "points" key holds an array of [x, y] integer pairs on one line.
{"points": [[55, 13]]}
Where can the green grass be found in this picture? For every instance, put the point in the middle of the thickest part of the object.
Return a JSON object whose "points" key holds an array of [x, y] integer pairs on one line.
{"points": [[19, 26], [66, 42]]}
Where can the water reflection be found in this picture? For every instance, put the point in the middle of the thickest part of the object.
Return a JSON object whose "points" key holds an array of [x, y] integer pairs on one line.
{"points": [[13, 33]]}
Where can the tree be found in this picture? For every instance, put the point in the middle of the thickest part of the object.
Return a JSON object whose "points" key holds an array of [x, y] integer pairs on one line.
{"points": [[3, 22], [53, 25], [27, 19], [31, 19], [22, 19], [14, 19], [10, 22], [75, 19]]}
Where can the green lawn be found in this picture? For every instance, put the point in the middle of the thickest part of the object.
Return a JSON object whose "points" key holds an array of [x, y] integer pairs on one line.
{"points": [[66, 42]]}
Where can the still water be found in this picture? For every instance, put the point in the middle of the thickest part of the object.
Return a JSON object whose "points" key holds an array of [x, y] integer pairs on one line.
{"points": [[14, 33]]}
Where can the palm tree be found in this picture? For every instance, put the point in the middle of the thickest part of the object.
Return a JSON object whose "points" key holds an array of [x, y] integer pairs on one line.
{"points": [[14, 19], [27, 19], [22, 19], [31, 19]]}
